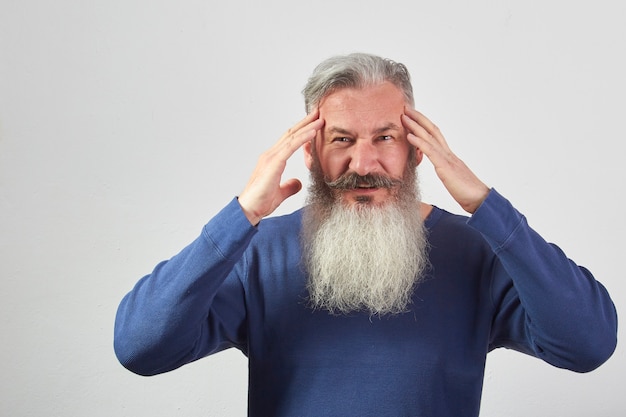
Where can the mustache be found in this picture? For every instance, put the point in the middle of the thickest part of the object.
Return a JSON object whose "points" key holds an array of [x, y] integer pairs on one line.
{"points": [[352, 181]]}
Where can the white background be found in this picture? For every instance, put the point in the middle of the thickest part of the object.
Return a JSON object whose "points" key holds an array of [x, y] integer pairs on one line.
{"points": [[125, 125]]}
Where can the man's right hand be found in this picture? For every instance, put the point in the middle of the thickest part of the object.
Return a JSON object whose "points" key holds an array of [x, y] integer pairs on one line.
{"points": [[264, 191]]}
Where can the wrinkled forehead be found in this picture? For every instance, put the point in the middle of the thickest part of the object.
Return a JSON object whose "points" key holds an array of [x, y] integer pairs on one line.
{"points": [[383, 103]]}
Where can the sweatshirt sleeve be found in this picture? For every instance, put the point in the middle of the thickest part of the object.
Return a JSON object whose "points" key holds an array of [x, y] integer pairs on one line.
{"points": [[546, 305], [189, 306]]}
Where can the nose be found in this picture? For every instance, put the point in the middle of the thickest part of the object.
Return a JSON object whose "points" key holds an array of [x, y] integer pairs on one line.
{"points": [[364, 158]]}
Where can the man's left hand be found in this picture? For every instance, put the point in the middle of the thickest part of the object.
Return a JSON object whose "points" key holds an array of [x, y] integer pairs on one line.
{"points": [[462, 184]]}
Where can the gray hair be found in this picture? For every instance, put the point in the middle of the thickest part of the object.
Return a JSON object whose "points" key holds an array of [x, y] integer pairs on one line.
{"points": [[356, 70]]}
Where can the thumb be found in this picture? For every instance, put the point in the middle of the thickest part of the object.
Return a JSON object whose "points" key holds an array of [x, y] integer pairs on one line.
{"points": [[290, 187]]}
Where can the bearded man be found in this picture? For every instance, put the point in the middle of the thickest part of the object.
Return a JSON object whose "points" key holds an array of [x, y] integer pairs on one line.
{"points": [[367, 302]]}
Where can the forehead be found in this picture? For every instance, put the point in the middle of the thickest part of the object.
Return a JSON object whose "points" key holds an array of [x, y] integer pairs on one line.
{"points": [[382, 103]]}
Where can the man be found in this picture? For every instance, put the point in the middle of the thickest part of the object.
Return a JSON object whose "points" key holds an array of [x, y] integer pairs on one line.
{"points": [[367, 302]]}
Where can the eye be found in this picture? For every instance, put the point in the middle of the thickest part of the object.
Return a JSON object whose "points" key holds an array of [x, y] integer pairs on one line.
{"points": [[342, 139], [385, 138]]}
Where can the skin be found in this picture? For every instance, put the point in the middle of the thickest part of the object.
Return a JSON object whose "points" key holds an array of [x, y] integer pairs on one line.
{"points": [[367, 130]]}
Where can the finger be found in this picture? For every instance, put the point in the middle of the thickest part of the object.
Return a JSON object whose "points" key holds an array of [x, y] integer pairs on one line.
{"points": [[422, 120], [289, 188], [304, 124], [423, 133], [425, 123], [436, 149], [417, 135], [294, 139], [414, 127]]}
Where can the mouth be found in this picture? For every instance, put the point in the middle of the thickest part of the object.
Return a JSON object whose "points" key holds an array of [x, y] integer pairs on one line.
{"points": [[366, 182], [363, 193]]}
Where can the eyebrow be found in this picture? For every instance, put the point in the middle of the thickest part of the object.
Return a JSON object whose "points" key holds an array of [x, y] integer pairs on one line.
{"points": [[387, 127], [382, 129]]}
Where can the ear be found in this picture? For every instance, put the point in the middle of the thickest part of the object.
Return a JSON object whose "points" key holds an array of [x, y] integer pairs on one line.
{"points": [[419, 155], [307, 148]]}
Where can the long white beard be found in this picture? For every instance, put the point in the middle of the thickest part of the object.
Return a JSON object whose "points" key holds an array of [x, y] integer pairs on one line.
{"points": [[363, 257]]}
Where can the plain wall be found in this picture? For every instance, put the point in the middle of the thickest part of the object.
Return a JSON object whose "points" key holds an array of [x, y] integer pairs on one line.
{"points": [[125, 125]]}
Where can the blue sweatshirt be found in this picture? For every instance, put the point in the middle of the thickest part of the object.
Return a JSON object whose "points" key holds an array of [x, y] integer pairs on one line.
{"points": [[494, 282]]}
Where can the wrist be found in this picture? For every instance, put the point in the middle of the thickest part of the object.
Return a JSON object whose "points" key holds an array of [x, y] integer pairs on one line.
{"points": [[479, 197], [251, 215]]}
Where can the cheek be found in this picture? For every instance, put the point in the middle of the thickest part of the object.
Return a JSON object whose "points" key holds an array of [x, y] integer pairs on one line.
{"points": [[394, 162], [334, 163]]}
